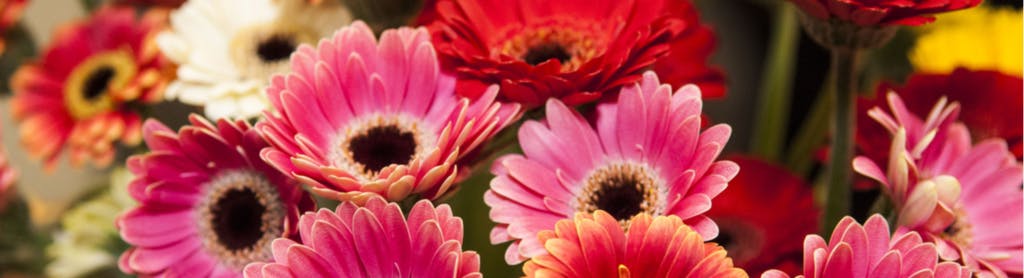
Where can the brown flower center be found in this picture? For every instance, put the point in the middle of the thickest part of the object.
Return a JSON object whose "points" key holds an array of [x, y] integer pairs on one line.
{"points": [[370, 145], [276, 48], [571, 48], [240, 215], [622, 190], [740, 239]]}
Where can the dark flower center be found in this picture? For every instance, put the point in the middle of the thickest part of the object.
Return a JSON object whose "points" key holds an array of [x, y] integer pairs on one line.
{"points": [[381, 146], [622, 190], [275, 48], [544, 52], [238, 219], [724, 239], [620, 196], [97, 82]]}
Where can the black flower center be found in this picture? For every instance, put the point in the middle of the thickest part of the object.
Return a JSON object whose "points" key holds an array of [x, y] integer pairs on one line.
{"points": [[546, 51], [620, 196], [97, 82], [381, 146], [275, 48], [725, 240], [621, 190], [238, 219]]}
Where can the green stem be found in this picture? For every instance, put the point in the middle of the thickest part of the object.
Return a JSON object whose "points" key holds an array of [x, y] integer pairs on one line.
{"points": [[776, 84], [812, 132], [844, 67]]}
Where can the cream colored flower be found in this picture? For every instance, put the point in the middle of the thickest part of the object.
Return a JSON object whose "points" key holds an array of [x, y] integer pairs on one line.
{"points": [[80, 247], [227, 49]]}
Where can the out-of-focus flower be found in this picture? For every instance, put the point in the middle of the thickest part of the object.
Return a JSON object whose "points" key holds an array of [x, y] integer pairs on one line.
{"points": [[597, 245], [374, 240], [156, 3], [868, 251], [86, 91], [985, 97], [358, 118], [10, 12], [966, 198], [647, 154], [881, 12], [575, 50], [227, 49], [209, 205], [764, 232], [7, 177], [83, 245], [981, 38]]}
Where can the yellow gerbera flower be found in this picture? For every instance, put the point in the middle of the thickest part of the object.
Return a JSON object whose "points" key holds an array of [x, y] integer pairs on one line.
{"points": [[980, 38]]}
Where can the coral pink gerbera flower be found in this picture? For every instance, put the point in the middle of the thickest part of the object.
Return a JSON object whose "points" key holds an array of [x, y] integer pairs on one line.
{"points": [[758, 241], [646, 155], [375, 240], [572, 50], [966, 198], [868, 251], [598, 246], [881, 12], [85, 91], [358, 118], [208, 204]]}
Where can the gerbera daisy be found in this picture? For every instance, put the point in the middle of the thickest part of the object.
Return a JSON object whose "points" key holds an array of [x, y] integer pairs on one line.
{"points": [[10, 12], [868, 251], [208, 204], [598, 246], [85, 92], [758, 241], [374, 240], [881, 12], [954, 41], [984, 96], [571, 50], [358, 118], [967, 199], [646, 155], [227, 49]]}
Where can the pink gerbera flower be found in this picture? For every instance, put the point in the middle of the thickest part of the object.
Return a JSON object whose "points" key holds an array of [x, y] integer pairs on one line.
{"points": [[867, 251], [646, 155], [207, 204], [358, 118], [375, 240], [967, 199], [598, 246]]}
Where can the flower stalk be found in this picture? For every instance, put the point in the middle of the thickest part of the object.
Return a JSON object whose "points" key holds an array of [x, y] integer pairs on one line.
{"points": [[844, 68], [776, 84]]}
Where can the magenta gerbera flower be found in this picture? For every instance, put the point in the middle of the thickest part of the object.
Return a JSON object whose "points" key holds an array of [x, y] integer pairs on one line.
{"points": [[868, 251], [375, 240], [358, 118], [646, 155], [207, 204], [966, 199]]}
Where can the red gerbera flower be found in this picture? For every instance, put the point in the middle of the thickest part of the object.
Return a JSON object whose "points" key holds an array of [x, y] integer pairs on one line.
{"points": [[758, 241], [572, 50], [990, 104], [85, 91], [881, 12]]}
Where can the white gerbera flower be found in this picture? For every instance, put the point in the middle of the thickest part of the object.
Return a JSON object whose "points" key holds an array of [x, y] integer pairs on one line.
{"points": [[227, 49]]}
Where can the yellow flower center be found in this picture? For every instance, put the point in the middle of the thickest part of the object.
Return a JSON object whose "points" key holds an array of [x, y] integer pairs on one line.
{"points": [[88, 88], [262, 50]]}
